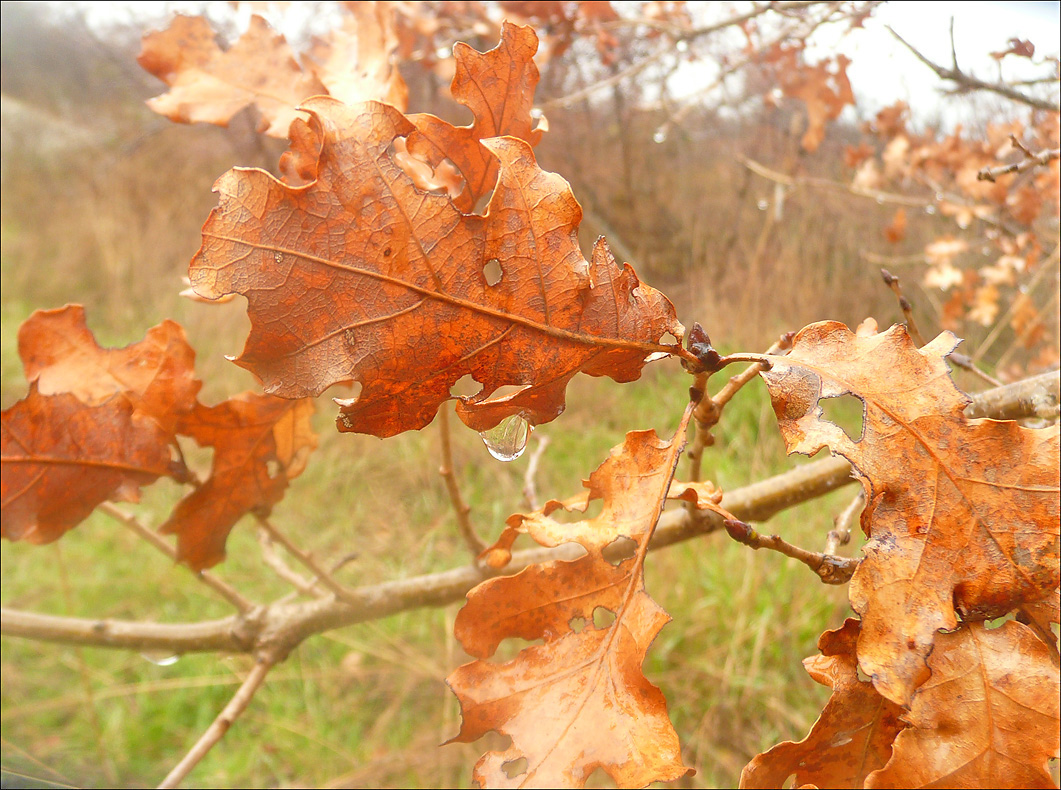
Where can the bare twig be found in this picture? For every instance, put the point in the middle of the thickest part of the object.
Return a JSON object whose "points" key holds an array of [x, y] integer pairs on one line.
{"points": [[305, 558], [244, 694], [280, 627], [825, 183], [276, 562], [904, 304], [530, 490], [156, 540], [1030, 162], [840, 534], [709, 410], [1030, 327], [961, 360], [967, 82], [830, 569], [460, 507]]}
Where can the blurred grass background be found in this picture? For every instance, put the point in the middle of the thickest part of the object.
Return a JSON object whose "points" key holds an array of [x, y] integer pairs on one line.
{"points": [[102, 205]]}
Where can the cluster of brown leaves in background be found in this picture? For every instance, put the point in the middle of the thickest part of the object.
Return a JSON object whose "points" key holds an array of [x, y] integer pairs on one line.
{"points": [[368, 262], [1000, 253]]}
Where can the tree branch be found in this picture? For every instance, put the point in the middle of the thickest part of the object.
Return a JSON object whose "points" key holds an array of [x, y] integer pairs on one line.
{"points": [[831, 569], [967, 82], [278, 628]]}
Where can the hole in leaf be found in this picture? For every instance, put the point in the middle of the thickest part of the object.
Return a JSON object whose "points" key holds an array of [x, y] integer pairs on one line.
{"points": [[465, 386], [512, 647], [514, 768], [668, 339], [483, 203], [846, 412], [577, 624], [603, 618], [507, 389], [492, 272], [620, 549], [862, 675], [272, 467]]}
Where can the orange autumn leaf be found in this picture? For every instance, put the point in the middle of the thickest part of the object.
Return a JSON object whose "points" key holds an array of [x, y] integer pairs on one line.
{"points": [[61, 458], [156, 375], [363, 275], [260, 443], [555, 699], [852, 737], [354, 59], [211, 85], [962, 514], [498, 87], [987, 717]]}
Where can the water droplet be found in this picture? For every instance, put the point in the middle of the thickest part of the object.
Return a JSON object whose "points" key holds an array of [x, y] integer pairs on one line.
{"points": [[160, 658], [763, 205], [880, 201], [940, 196], [930, 209], [278, 257], [682, 45], [660, 136], [508, 440]]}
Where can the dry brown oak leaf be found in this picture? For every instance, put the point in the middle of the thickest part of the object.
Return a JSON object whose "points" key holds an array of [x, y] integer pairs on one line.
{"points": [[963, 513], [362, 275], [260, 444], [156, 375], [852, 737], [211, 85], [61, 458], [988, 716], [580, 700]]}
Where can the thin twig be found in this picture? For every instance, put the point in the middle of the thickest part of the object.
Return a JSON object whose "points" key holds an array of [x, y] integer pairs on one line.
{"points": [[961, 360], [305, 558], [280, 627], [709, 410], [1030, 162], [244, 694], [967, 82], [904, 304], [460, 507], [276, 562], [840, 534], [1031, 326], [530, 490], [825, 183], [830, 569], [156, 540]]}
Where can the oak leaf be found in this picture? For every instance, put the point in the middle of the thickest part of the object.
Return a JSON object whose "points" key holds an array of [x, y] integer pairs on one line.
{"points": [[556, 699], [963, 513], [362, 275], [260, 444], [156, 375], [211, 85], [852, 737], [354, 59], [61, 458], [988, 716]]}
